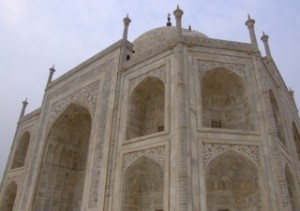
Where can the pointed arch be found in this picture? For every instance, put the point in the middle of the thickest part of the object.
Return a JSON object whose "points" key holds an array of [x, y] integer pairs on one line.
{"points": [[296, 136], [146, 108], [9, 197], [143, 184], [277, 117], [62, 178], [232, 183], [225, 100], [291, 187], [21, 151]]}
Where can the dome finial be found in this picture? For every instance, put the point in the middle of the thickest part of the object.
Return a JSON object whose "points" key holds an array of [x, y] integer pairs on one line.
{"points": [[190, 27], [169, 20]]}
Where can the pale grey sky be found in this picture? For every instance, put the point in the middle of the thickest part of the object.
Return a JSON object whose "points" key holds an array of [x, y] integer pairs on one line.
{"points": [[36, 34]]}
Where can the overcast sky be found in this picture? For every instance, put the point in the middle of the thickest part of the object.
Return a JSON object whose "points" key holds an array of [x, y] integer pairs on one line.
{"points": [[36, 34]]}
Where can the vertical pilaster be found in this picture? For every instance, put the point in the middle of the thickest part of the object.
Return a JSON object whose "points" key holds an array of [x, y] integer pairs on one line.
{"points": [[182, 183]]}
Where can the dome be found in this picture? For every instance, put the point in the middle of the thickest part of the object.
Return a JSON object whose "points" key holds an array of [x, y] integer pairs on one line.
{"points": [[158, 36]]}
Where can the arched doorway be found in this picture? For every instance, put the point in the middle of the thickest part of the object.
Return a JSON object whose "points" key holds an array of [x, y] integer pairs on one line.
{"points": [[9, 197], [232, 184], [21, 151], [225, 101], [63, 169], [146, 108], [291, 188], [142, 188]]}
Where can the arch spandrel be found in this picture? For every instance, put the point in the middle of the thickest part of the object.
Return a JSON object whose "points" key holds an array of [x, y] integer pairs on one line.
{"points": [[213, 150]]}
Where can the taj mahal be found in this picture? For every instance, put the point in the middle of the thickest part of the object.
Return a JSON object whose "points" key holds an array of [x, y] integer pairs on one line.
{"points": [[173, 121]]}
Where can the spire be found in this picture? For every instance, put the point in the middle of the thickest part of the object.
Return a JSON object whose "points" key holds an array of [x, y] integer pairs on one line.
{"points": [[265, 39], [51, 72], [190, 27], [178, 15], [126, 21], [24, 104], [169, 20], [250, 23]]}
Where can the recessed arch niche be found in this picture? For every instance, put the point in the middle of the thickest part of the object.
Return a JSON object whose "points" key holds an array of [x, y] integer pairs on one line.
{"points": [[291, 188], [9, 197], [277, 117], [232, 183], [62, 176], [142, 188], [296, 136], [225, 100], [21, 151], [146, 108]]}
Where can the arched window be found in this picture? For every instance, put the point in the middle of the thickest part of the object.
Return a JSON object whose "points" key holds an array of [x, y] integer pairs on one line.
{"points": [[291, 188], [146, 108], [225, 101], [63, 171], [296, 139], [143, 186], [277, 117], [21, 151], [232, 183], [9, 197]]}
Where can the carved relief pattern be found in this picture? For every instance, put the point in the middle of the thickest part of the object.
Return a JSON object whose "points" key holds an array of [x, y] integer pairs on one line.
{"points": [[149, 52], [159, 73], [215, 43], [239, 69], [158, 153], [96, 173], [211, 150], [86, 95]]}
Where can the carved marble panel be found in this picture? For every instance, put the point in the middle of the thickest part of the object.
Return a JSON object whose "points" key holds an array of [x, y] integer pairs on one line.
{"points": [[156, 153], [211, 150], [159, 72], [87, 96], [239, 69]]}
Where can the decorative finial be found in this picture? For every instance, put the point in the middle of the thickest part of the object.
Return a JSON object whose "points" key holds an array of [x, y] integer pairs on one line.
{"points": [[169, 20], [178, 6], [25, 103], [52, 68], [264, 33], [249, 17], [190, 28]]}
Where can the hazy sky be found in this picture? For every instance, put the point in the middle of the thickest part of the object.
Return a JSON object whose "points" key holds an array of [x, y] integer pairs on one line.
{"points": [[36, 34]]}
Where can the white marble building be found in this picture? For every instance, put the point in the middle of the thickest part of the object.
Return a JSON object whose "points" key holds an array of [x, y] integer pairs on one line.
{"points": [[174, 120]]}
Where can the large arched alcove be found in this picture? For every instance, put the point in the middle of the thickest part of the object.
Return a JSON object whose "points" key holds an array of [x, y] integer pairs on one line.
{"points": [[9, 197], [142, 188], [225, 101], [296, 136], [277, 117], [146, 108], [62, 176], [21, 151], [291, 188], [232, 183]]}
